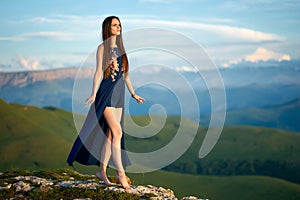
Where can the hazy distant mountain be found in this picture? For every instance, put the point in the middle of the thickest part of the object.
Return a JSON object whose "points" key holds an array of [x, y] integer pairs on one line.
{"points": [[42, 88], [284, 116], [25, 78], [245, 87]]}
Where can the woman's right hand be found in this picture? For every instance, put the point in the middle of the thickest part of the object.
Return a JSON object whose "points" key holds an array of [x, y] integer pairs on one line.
{"points": [[90, 100]]}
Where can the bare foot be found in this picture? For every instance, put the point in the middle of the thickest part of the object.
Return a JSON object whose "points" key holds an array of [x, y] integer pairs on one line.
{"points": [[103, 177], [123, 181]]}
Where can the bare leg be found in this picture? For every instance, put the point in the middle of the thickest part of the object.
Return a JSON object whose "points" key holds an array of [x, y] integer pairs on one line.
{"points": [[113, 118], [105, 155]]}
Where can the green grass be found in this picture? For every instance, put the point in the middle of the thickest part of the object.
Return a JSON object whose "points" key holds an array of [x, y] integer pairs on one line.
{"points": [[32, 138], [218, 187], [245, 142]]}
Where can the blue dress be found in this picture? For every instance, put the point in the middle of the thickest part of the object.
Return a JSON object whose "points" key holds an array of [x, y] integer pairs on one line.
{"points": [[88, 145]]}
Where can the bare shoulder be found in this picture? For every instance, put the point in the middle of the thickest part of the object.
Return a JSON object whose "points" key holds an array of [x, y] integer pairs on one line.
{"points": [[100, 47], [100, 50]]}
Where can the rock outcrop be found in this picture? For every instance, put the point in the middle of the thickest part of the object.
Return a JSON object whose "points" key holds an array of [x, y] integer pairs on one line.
{"points": [[22, 185]]}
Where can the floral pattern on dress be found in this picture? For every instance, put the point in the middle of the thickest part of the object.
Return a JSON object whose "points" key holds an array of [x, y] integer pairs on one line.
{"points": [[114, 65]]}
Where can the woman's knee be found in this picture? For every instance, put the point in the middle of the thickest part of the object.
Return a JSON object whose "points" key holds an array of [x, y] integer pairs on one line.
{"points": [[116, 132], [109, 134]]}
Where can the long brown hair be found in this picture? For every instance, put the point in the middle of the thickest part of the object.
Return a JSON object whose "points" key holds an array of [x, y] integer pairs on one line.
{"points": [[106, 37]]}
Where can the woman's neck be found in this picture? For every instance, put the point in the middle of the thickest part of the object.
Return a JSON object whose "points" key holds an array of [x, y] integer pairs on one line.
{"points": [[113, 41]]}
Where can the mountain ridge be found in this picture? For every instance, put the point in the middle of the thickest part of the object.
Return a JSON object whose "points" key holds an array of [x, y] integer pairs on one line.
{"points": [[67, 88], [24, 78]]}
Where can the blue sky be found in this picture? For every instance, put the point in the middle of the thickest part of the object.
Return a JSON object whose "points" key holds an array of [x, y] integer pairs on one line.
{"points": [[49, 34]]}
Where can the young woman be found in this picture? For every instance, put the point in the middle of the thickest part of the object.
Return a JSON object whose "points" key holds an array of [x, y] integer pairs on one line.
{"points": [[105, 117]]}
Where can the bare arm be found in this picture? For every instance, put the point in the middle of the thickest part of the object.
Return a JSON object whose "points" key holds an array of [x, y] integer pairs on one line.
{"points": [[138, 98], [97, 75]]}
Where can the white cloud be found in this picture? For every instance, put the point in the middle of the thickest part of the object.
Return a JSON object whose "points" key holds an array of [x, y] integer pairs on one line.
{"points": [[21, 63], [44, 20], [167, 1], [17, 38], [157, 1], [76, 27], [260, 54], [68, 21], [58, 27], [186, 69], [150, 69], [230, 5], [52, 35], [232, 32], [265, 5], [55, 35], [29, 63]]}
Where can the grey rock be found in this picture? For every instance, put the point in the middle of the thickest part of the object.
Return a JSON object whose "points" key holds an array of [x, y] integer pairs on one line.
{"points": [[25, 183]]}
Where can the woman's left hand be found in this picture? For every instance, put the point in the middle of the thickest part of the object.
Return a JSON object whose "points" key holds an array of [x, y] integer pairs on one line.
{"points": [[138, 98]]}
